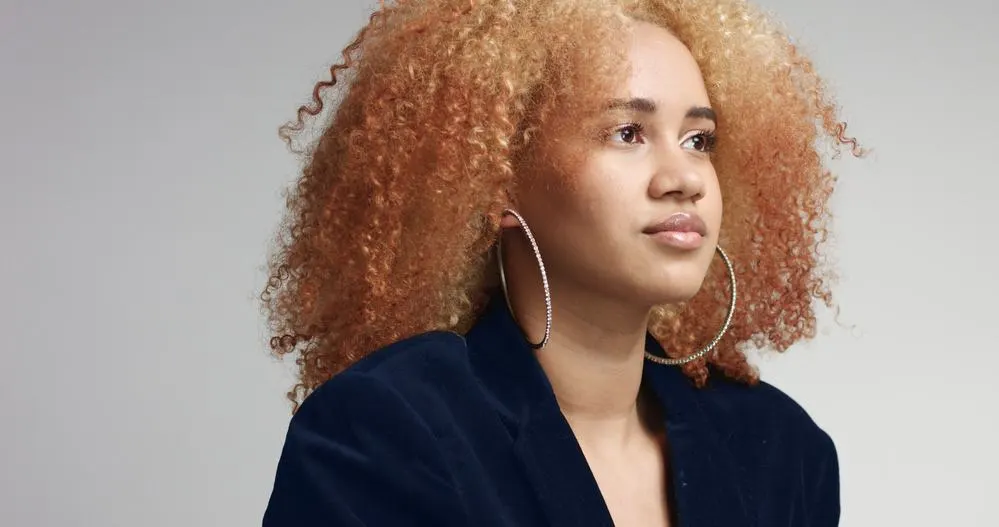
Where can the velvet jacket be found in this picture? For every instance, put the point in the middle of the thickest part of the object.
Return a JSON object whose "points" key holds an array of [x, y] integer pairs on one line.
{"points": [[443, 430]]}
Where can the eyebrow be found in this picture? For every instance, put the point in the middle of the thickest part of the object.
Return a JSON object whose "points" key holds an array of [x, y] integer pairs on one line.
{"points": [[643, 105]]}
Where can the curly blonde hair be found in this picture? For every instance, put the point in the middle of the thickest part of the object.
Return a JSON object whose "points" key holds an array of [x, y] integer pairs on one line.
{"points": [[390, 227]]}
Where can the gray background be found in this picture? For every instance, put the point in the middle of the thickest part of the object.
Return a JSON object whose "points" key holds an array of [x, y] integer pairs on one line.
{"points": [[141, 180]]}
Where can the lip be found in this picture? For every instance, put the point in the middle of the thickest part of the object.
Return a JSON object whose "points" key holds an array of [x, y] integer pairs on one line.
{"points": [[683, 230]]}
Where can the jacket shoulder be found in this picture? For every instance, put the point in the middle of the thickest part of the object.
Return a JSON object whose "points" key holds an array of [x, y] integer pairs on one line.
{"points": [[409, 366], [344, 448], [776, 442], [766, 413]]}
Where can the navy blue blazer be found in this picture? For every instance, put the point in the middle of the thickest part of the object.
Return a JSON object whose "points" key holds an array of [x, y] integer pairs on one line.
{"points": [[442, 430]]}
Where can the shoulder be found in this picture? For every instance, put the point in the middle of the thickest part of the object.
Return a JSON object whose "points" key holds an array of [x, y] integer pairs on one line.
{"points": [[385, 405], [784, 454], [411, 357], [397, 376], [766, 415], [363, 437]]}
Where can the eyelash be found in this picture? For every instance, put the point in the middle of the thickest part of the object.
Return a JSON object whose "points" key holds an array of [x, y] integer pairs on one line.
{"points": [[637, 127], [709, 136], [710, 139]]}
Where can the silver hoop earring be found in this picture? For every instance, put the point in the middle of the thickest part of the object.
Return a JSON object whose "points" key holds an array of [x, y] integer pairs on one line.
{"points": [[544, 278], [714, 342]]}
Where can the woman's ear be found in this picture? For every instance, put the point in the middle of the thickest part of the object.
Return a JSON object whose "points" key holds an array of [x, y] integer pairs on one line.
{"points": [[508, 221]]}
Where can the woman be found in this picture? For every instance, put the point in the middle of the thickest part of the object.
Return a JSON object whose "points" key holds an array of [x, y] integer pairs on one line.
{"points": [[496, 271]]}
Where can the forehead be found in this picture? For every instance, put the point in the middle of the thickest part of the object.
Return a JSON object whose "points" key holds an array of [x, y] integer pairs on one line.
{"points": [[661, 68]]}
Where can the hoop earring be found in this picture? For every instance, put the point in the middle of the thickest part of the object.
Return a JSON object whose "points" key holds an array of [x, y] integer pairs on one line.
{"points": [[714, 342], [544, 278]]}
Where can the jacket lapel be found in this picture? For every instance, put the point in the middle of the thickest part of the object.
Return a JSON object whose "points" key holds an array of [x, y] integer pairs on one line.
{"points": [[703, 472], [705, 476], [543, 441]]}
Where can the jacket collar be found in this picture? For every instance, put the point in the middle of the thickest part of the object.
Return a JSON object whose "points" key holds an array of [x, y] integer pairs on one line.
{"points": [[704, 473]]}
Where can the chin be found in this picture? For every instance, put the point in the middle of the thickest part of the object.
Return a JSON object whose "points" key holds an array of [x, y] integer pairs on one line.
{"points": [[675, 295], [674, 288]]}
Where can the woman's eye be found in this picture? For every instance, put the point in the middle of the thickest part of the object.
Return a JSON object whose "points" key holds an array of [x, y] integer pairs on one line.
{"points": [[629, 134], [701, 142]]}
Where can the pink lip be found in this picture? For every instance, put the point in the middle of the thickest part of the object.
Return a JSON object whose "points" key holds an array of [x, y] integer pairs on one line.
{"points": [[681, 230]]}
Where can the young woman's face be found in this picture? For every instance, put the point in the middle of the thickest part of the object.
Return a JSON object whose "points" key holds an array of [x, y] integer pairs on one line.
{"points": [[638, 219]]}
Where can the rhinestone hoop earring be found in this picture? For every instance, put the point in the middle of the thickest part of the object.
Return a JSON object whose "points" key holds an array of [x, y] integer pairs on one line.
{"points": [[714, 342], [544, 278]]}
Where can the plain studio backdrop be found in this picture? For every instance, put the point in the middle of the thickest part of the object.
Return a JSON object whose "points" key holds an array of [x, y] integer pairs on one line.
{"points": [[141, 182]]}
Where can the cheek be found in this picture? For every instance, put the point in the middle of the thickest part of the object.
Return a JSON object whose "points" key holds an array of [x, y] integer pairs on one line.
{"points": [[578, 217], [611, 184], [580, 192], [574, 189]]}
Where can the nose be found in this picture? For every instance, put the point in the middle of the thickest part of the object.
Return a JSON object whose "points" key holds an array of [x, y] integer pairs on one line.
{"points": [[677, 175]]}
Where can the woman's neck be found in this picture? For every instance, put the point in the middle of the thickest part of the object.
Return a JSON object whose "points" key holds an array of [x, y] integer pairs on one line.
{"points": [[594, 361]]}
